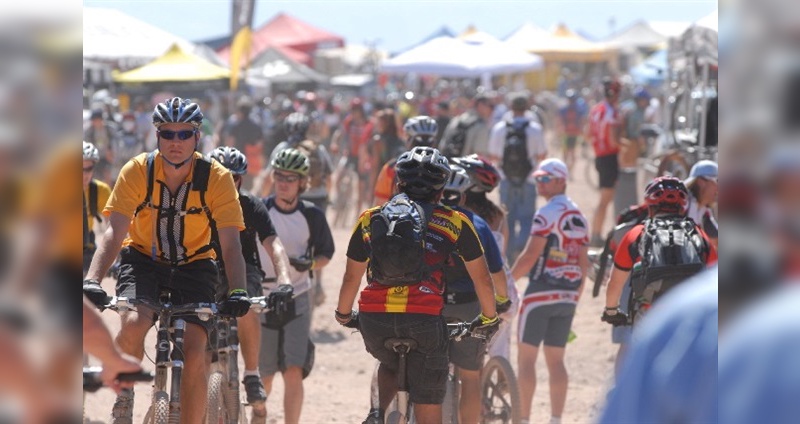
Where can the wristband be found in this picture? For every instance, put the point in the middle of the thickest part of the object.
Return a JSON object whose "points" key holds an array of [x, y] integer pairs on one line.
{"points": [[612, 308], [500, 299], [91, 281], [237, 291], [485, 320], [342, 316]]}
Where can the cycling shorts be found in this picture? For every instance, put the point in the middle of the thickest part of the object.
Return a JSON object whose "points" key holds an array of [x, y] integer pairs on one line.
{"points": [[469, 352], [608, 170], [546, 323]]}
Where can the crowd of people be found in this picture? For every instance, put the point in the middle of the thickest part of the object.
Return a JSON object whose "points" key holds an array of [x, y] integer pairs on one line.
{"points": [[171, 187]]}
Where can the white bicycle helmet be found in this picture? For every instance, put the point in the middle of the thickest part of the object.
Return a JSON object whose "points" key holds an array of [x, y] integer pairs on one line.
{"points": [[230, 158], [90, 152], [458, 184], [421, 130]]}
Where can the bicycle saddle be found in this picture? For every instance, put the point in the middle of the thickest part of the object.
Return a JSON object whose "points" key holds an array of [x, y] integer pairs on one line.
{"points": [[400, 344]]}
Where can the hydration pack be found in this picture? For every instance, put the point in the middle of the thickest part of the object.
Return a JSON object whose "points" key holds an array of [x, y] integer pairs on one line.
{"points": [[516, 163], [455, 143]]}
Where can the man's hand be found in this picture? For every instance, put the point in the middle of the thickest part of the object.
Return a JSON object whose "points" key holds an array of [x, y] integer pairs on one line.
{"points": [[279, 299], [484, 327], [614, 317], [347, 320], [120, 363], [95, 293], [502, 304], [237, 304], [302, 264]]}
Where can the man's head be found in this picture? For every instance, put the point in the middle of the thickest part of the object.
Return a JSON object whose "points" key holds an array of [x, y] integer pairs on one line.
{"points": [[296, 126], [484, 106], [290, 173], [90, 158], [177, 123], [666, 196], [611, 89], [128, 122], [572, 96], [642, 97], [443, 109], [233, 159], [455, 190], [551, 178], [421, 131], [244, 106], [422, 173], [702, 181], [97, 118], [519, 104]]}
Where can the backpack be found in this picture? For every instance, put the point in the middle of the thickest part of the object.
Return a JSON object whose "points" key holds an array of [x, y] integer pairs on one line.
{"points": [[516, 163], [92, 213], [397, 242], [671, 250], [316, 169], [455, 143], [202, 172]]}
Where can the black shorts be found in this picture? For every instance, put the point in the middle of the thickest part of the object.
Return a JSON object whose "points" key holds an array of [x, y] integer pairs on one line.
{"points": [[427, 365], [546, 323], [570, 141], [254, 278], [142, 278], [469, 352], [608, 169]]}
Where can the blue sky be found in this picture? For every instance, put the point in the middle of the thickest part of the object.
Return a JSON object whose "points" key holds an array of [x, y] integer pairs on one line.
{"points": [[398, 24]]}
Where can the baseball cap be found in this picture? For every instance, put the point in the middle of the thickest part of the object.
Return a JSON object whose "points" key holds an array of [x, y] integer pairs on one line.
{"points": [[702, 169], [552, 166]]}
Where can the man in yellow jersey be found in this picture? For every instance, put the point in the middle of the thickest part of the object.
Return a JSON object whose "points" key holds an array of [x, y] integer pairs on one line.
{"points": [[168, 201], [95, 196]]}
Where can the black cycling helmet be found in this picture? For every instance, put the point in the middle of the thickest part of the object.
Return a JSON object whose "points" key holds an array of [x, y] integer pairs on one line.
{"points": [[231, 158], [296, 125], [177, 110], [422, 171]]}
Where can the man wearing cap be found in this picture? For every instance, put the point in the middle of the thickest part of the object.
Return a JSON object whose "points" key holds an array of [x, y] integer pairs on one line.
{"points": [[702, 185], [558, 247], [517, 193]]}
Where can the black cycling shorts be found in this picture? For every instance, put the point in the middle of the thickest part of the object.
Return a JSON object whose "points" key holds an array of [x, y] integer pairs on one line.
{"points": [[142, 278], [427, 365], [608, 169], [469, 352]]}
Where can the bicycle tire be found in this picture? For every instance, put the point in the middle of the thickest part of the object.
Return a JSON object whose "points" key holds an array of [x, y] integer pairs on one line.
{"points": [[215, 411], [395, 417], [503, 389], [233, 403], [159, 410]]}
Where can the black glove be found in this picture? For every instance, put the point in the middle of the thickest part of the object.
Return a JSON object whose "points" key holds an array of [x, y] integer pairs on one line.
{"points": [[95, 293], [278, 300], [302, 264], [485, 328], [237, 304], [502, 304], [615, 317], [347, 320]]}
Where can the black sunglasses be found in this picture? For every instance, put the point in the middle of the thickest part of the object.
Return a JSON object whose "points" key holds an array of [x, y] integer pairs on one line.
{"points": [[182, 135]]}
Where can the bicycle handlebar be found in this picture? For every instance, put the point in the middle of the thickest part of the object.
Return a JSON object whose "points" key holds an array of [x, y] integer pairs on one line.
{"points": [[459, 330], [203, 310], [259, 304], [93, 383]]}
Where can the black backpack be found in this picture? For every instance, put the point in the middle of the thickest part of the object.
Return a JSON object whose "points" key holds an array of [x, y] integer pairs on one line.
{"points": [[671, 250], [397, 242], [91, 213], [454, 145], [516, 163]]}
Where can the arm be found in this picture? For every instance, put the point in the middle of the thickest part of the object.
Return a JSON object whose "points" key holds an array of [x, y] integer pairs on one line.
{"points": [[280, 261], [615, 286], [583, 263], [97, 342], [533, 249], [484, 287], [109, 246], [500, 283], [351, 281], [231, 247]]}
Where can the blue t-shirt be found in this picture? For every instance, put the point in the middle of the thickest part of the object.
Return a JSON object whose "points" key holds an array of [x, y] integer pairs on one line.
{"points": [[670, 372], [455, 275]]}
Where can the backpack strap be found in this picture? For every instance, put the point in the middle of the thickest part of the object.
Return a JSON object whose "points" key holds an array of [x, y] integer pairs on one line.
{"points": [[151, 180], [93, 212], [200, 177], [87, 242]]}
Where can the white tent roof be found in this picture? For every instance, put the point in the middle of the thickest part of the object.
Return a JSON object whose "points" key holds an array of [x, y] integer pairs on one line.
{"points": [[711, 21], [452, 57], [669, 28], [524, 35], [109, 34], [638, 34]]}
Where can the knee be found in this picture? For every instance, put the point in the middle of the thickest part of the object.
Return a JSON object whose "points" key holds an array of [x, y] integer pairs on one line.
{"points": [[134, 327], [293, 375]]}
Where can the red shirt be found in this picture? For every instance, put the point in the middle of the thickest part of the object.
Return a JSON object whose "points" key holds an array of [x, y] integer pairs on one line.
{"points": [[628, 252], [358, 133], [602, 118]]}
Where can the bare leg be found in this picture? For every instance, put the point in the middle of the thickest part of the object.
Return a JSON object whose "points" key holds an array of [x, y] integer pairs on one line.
{"points": [[526, 363], [554, 356], [194, 380], [469, 407], [293, 397], [250, 339], [387, 387], [427, 413]]}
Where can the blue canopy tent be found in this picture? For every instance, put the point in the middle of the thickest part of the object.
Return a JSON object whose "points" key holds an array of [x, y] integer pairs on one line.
{"points": [[653, 71]]}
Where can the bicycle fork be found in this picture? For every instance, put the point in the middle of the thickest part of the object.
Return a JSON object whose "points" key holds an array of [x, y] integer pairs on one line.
{"points": [[170, 358]]}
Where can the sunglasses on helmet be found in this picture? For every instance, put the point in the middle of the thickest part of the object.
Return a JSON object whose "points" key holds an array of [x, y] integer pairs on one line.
{"points": [[182, 135]]}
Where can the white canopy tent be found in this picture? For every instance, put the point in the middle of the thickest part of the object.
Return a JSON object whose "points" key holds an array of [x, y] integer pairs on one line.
{"points": [[524, 34], [452, 57]]}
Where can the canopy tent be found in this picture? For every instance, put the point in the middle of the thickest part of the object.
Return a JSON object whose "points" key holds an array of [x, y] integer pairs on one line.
{"points": [[669, 29], [451, 57], [699, 40], [653, 71], [110, 35], [472, 35], [174, 65], [563, 45], [711, 21], [638, 35], [523, 35], [441, 32], [295, 38], [275, 68]]}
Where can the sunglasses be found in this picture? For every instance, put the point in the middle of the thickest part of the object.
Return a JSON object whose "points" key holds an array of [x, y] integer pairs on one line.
{"points": [[287, 178], [544, 179], [182, 135], [89, 169]]}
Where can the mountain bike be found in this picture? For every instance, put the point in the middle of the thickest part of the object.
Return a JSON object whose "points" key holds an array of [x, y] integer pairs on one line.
{"points": [[170, 328], [92, 381], [224, 402]]}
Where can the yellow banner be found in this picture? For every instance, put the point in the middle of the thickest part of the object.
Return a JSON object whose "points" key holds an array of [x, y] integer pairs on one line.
{"points": [[240, 55]]}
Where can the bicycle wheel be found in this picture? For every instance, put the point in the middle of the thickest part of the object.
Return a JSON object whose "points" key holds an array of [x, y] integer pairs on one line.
{"points": [[159, 410], [215, 412], [233, 403], [499, 393]]}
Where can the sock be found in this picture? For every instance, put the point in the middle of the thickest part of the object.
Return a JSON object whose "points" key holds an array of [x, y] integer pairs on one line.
{"points": [[555, 420], [254, 372]]}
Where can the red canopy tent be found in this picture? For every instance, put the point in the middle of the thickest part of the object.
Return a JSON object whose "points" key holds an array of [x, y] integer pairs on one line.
{"points": [[292, 37]]}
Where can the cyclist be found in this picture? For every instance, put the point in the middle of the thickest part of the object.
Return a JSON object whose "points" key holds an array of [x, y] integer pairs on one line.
{"points": [[308, 241], [258, 228], [632, 145], [485, 178], [357, 130], [246, 135], [95, 196], [461, 301], [667, 198], [703, 189], [558, 247], [604, 132], [571, 122], [420, 131], [168, 244], [415, 311]]}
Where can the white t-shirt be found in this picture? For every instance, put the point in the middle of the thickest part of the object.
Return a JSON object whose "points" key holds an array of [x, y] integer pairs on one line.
{"points": [[535, 139], [703, 216]]}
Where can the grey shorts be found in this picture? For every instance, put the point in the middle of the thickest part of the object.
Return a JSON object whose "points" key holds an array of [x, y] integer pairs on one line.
{"points": [[622, 333], [546, 323], [289, 349], [469, 352]]}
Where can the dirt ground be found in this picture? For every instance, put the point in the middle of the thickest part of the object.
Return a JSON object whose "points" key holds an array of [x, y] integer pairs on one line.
{"points": [[338, 388]]}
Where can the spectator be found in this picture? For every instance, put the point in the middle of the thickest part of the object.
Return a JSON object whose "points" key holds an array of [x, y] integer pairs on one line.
{"points": [[476, 124], [246, 135]]}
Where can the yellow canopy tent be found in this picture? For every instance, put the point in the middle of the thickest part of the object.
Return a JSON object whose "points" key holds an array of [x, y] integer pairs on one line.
{"points": [[174, 65]]}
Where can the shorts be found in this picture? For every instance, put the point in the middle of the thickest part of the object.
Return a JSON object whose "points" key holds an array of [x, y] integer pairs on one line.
{"points": [[427, 365], [142, 278], [293, 346], [570, 141], [469, 352], [608, 170], [622, 334], [546, 323], [254, 278]]}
